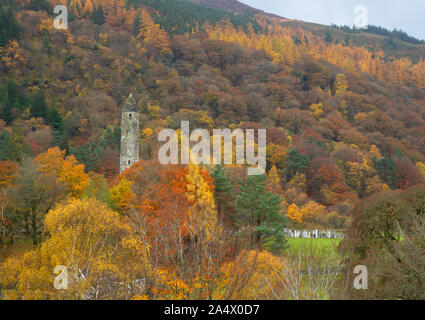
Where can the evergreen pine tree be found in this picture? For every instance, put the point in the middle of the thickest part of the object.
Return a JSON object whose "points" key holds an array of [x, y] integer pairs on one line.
{"points": [[9, 28], [88, 154], [386, 169], [112, 138], [6, 109], [98, 15], [295, 162], [5, 145], [38, 106], [39, 5], [54, 119], [222, 188], [328, 37], [116, 137], [16, 98], [259, 215], [136, 26]]}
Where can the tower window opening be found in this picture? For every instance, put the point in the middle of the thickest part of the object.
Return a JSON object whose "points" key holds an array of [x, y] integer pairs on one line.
{"points": [[130, 115], [129, 161]]}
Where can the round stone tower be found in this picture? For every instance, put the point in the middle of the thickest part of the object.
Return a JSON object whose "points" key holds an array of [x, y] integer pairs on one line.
{"points": [[130, 131]]}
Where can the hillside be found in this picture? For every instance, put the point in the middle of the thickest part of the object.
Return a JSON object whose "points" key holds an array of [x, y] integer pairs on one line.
{"points": [[394, 47], [233, 6], [344, 114], [228, 83]]}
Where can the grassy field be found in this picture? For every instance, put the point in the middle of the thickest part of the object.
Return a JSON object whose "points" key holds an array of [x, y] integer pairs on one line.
{"points": [[325, 246]]}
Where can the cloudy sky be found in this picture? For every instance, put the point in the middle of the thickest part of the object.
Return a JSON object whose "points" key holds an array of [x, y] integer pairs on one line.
{"points": [[408, 15]]}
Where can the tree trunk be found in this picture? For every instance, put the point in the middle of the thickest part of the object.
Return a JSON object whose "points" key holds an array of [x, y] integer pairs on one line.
{"points": [[34, 229]]}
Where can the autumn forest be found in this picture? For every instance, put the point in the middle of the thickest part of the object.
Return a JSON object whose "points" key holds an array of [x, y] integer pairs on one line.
{"points": [[344, 112]]}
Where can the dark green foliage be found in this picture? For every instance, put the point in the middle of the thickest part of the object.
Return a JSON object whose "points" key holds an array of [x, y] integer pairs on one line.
{"points": [[398, 153], [112, 138], [386, 171], [6, 109], [5, 145], [88, 154], [11, 97], [38, 107], [39, 5], [54, 119], [13, 101], [71, 15], [259, 215], [221, 182], [390, 44], [398, 34], [15, 5], [91, 154], [295, 162], [328, 37], [136, 26], [222, 190], [347, 40], [12, 146], [395, 34], [179, 17], [98, 15], [9, 28], [15, 95]]}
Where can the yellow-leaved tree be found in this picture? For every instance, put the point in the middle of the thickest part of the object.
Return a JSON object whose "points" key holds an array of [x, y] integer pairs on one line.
{"points": [[294, 213], [104, 258], [65, 168], [421, 168], [340, 85], [312, 211], [274, 182], [154, 39], [316, 110], [252, 275], [122, 196], [203, 213], [205, 233]]}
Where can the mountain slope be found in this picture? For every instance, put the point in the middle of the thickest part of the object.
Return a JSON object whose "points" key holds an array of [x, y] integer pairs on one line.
{"points": [[356, 114], [393, 47], [233, 6]]}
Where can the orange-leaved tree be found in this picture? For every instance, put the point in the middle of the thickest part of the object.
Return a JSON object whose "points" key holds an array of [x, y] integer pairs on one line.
{"points": [[65, 168]]}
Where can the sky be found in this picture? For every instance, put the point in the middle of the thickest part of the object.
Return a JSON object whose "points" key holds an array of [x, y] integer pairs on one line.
{"points": [[408, 15]]}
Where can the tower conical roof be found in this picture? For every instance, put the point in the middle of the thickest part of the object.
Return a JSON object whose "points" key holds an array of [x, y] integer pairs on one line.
{"points": [[130, 104]]}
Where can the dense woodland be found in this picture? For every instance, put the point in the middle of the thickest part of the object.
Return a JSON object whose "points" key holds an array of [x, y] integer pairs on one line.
{"points": [[345, 151]]}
